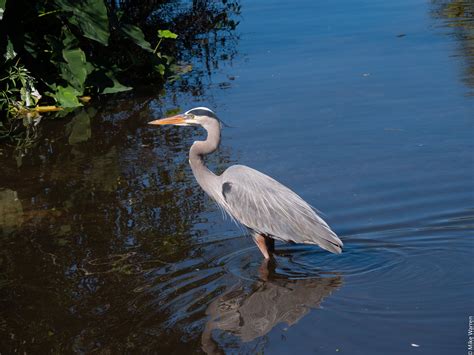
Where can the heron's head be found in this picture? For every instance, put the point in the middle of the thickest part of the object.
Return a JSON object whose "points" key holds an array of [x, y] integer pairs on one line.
{"points": [[201, 116]]}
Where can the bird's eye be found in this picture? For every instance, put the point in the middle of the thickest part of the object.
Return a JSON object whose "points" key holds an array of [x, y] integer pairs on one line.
{"points": [[191, 116]]}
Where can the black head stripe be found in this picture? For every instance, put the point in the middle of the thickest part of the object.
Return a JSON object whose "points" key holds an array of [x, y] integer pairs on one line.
{"points": [[200, 112]]}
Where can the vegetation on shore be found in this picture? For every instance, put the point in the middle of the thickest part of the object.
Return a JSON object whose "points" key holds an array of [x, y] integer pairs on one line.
{"points": [[58, 54]]}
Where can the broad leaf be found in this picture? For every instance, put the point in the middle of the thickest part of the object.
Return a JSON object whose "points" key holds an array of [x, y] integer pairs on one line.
{"points": [[167, 34], [104, 80], [69, 40], [136, 34], [76, 69], [90, 16], [67, 96], [116, 86]]}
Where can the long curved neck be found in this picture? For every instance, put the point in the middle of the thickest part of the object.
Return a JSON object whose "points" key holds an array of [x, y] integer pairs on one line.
{"points": [[206, 178]]}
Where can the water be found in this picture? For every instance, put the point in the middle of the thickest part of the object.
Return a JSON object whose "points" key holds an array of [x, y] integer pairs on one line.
{"points": [[364, 108]]}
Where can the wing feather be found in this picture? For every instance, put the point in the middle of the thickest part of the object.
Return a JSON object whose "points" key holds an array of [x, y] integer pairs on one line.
{"points": [[266, 206]]}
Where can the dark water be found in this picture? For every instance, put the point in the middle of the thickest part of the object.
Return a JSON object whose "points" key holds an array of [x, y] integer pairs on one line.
{"points": [[364, 108]]}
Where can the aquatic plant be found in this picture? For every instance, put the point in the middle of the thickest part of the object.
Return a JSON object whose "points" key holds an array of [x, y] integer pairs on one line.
{"points": [[60, 54], [70, 49]]}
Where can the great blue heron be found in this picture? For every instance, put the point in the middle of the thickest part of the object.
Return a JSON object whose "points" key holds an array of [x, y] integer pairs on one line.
{"points": [[250, 311], [267, 208]]}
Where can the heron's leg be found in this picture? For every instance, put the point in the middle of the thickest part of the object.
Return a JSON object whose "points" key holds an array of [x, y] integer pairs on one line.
{"points": [[266, 269], [260, 240], [263, 270], [270, 242]]}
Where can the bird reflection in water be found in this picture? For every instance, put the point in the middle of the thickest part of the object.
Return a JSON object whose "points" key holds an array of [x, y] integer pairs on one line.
{"points": [[250, 312]]}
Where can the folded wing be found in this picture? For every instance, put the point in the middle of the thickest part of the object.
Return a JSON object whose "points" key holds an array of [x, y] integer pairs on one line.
{"points": [[266, 206]]}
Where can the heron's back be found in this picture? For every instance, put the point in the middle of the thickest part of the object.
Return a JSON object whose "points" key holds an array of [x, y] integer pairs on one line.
{"points": [[268, 207]]}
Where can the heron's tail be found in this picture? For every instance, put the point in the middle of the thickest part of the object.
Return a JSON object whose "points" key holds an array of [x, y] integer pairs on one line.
{"points": [[329, 241], [334, 246]]}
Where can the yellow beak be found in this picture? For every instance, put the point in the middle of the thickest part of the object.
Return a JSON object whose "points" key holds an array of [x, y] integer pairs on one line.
{"points": [[178, 119]]}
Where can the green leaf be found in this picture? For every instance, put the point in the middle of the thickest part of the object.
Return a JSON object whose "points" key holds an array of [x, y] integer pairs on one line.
{"points": [[69, 39], [55, 46], [167, 34], [136, 34], [116, 85], [10, 51], [160, 68], [104, 81], [76, 69], [90, 16], [31, 45], [67, 96], [2, 8]]}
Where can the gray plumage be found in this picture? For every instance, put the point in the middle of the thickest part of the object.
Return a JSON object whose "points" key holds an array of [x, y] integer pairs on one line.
{"points": [[252, 198], [268, 207], [252, 312]]}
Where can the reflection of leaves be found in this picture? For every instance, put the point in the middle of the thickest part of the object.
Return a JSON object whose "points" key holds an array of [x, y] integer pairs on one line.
{"points": [[64, 230], [80, 127], [460, 14], [11, 211], [105, 171], [455, 10], [147, 212], [173, 111]]}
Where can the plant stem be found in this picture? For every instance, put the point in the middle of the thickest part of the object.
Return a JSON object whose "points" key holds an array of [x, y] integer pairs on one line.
{"points": [[157, 45]]}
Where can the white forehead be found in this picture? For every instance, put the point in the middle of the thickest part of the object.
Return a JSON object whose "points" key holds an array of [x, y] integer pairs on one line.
{"points": [[198, 111]]}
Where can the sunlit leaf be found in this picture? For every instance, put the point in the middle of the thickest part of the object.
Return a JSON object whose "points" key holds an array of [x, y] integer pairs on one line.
{"points": [[67, 96], [10, 51], [136, 34], [167, 34], [85, 99], [2, 8]]}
